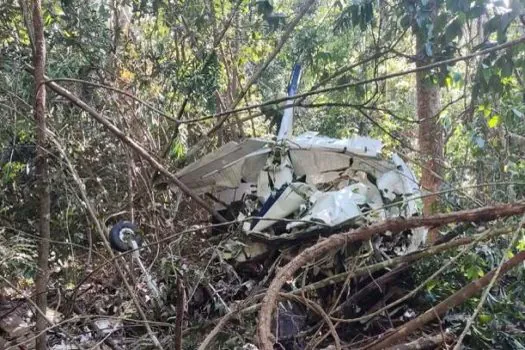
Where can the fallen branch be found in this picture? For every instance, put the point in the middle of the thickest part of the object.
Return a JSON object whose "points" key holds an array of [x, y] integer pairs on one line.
{"points": [[132, 144], [424, 342], [452, 301], [103, 238], [338, 240], [181, 302], [397, 261]]}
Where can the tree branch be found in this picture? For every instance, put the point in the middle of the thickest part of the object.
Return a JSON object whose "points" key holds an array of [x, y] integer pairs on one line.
{"points": [[42, 171], [134, 145], [338, 240], [507, 45], [452, 301]]}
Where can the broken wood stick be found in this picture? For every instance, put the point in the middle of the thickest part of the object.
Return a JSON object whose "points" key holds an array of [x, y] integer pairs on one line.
{"points": [[132, 144], [333, 242], [426, 342], [452, 301]]}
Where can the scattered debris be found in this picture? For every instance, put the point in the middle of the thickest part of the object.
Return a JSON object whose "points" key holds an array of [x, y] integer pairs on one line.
{"points": [[296, 186]]}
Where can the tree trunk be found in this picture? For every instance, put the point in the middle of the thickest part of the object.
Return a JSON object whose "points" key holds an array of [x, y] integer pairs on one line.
{"points": [[42, 170], [430, 134]]}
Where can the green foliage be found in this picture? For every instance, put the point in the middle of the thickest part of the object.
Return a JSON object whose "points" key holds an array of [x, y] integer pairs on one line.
{"points": [[494, 326], [166, 52], [17, 255], [358, 14]]}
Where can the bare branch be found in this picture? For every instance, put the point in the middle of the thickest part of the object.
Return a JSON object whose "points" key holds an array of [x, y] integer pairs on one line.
{"points": [[134, 145], [452, 301], [372, 80], [338, 240]]}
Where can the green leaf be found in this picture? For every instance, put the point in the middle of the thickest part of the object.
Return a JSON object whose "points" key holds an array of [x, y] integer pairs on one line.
{"points": [[494, 121], [521, 244], [473, 272], [485, 318], [517, 113], [448, 81]]}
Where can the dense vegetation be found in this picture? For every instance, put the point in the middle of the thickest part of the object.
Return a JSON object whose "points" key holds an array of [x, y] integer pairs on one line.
{"points": [[171, 74]]}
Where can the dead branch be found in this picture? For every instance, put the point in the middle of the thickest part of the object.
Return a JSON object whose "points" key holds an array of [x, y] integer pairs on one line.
{"points": [[452, 301], [181, 302], [120, 91], [338, 240], [426, 342], [132, 144], [398, 260]]}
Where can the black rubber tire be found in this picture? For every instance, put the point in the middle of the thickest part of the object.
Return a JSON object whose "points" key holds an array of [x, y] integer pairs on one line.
{"points": [[114, 236]]}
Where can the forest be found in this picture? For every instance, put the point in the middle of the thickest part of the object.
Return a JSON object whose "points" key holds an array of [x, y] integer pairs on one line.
{"points": [[262, 174]]}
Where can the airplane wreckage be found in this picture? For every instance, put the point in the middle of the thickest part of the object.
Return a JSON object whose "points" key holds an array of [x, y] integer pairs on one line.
{"points": [[293, 187]]}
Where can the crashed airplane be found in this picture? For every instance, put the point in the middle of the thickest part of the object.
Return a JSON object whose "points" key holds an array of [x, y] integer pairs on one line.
{"points": [[294, 185]]}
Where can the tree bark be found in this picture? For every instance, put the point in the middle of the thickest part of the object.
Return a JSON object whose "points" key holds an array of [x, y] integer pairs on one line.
{"points": [[341, 239], [430, 133], [440, 309], [424, 342], [42, 172]]}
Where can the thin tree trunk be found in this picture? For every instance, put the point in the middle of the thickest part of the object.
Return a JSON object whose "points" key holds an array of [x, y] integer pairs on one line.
{"points": [[42, 170], [256, 75], [430, 133]]}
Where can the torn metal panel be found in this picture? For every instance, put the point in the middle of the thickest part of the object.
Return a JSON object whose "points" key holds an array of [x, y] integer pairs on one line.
{"points": [[409, 180], [335, 207], [359, 145], [288, 202], [318, 162], [202, 173]]}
